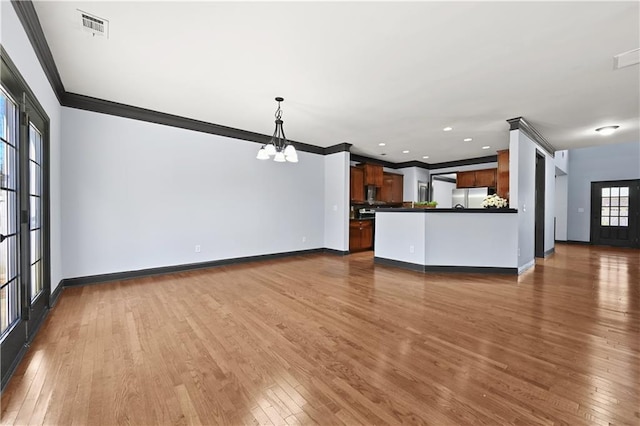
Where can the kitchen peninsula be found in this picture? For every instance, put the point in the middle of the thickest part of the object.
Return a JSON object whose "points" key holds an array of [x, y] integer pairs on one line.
{"points": [[456, 240]]}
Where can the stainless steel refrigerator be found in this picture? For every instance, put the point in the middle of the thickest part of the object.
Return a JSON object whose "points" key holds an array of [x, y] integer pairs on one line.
{"points": [[469, 198]]}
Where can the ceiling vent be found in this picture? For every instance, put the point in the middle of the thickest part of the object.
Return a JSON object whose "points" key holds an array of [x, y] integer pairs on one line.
{"points": [[93, 24], [626, 59]]}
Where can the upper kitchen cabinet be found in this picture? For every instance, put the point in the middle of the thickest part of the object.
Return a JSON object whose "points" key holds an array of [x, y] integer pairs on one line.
{"points": [[373, 175], [486, 177], [502, 186], [476, 179], [392, 188], [357, 184], [466, 179]]}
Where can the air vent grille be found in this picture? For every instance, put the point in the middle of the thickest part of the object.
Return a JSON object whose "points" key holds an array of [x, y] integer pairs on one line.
{"points": [[93, 24]]}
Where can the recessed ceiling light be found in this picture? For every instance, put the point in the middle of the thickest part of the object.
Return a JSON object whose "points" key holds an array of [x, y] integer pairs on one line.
{"points": [[381, 144], [448, 129], [607, 130], [486, 147], [405, 152], [425, 156], [468, 140]]}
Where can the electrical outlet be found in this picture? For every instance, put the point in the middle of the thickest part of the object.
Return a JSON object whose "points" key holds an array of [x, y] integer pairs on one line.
{"points": [[412, 249], [335, 208], [518, 251], [198, 248], [304, 239]]}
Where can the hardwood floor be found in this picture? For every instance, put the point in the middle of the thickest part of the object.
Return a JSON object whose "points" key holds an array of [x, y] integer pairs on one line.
{"points": [[336, 340]]}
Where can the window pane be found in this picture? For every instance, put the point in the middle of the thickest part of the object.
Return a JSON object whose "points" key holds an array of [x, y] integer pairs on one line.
{"points": [[614, 221], [604, 221], [606, 201], [624, 191], [35, 246], [624, 211], [624, 221], [34, 178], [36, 280], [615, 191], [3, 116], [606, 192], [12, 208], [624, 201], [12, 247], [614, 211], [35, 144], [4, 262], [35, 212], [605, 211], [615, 201], [11, 167]]}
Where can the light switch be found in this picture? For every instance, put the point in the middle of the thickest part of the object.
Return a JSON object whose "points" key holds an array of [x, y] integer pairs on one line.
{"points": [[580, 210]]}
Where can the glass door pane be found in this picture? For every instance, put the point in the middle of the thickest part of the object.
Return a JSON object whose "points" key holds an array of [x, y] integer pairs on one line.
{"points": [[9, 277], [35, 203]]}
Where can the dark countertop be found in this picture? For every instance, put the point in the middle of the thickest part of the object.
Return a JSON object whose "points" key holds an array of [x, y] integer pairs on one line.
{"points": [[436, 210], [366, 218]]}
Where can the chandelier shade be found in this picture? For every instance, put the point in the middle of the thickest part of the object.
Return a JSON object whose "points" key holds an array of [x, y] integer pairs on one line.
{"points": [[278, 147]]}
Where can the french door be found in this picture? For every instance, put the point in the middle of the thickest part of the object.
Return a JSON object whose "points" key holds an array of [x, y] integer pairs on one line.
{"points": [[615, 212], [24, 271]]}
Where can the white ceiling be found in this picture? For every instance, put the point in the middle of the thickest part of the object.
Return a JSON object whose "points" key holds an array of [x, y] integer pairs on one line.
{"points": [[365, 72]]}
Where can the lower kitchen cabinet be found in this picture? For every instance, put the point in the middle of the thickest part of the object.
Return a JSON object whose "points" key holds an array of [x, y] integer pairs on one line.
{"points": [[360, 235]]}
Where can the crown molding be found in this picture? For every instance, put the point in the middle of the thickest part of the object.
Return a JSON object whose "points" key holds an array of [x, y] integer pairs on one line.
{"points": [[341, 147], [519, 123], [29, 19], [467, 162]]}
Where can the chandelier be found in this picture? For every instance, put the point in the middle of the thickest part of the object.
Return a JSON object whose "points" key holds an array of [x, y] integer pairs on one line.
{"points": [[278, 147]]}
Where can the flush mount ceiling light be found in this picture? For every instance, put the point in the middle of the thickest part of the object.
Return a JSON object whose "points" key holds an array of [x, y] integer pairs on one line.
{"points": [[278, 147], [468, 140], [607, 130], [448, 129]]}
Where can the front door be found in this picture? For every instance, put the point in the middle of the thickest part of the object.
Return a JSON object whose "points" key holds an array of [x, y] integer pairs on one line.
{"points": [[615, 207]]}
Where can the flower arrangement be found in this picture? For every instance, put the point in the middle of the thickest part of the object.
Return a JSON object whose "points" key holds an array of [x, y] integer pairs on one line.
{"points": [[494, 202]]}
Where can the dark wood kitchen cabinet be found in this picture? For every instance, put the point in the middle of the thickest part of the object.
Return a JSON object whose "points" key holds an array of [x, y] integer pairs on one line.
{"points": [[373, 175], [466, 179], [502, 184], [392, 188], [476, 179], [360, 235], [357, 184], [486, 177]]}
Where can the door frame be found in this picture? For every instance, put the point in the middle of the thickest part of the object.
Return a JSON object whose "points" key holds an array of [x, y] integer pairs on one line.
{"points": [[32, 314], [540, 193]]}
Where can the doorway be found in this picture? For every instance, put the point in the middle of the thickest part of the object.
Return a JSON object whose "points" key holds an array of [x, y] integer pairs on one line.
{"points": [[539, 205], [615, 207]]}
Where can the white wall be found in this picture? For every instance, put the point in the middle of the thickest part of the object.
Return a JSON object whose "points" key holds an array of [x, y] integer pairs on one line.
{"points": [[522, 172], [442, 193], [17, 45], [140, 195], [336, 201], [562, 189], [410, 181], [594, 164], [561, 160]]}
